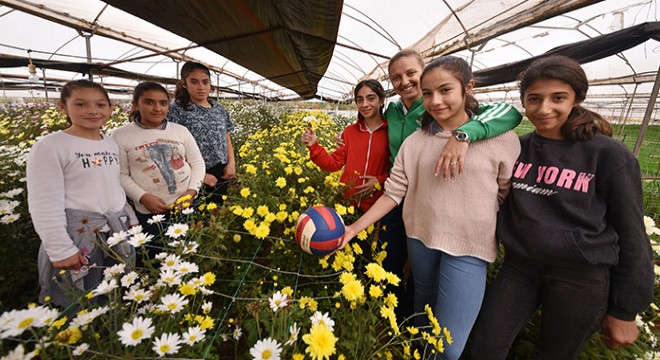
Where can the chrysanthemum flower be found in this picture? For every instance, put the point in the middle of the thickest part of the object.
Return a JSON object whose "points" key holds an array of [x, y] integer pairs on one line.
{"points": [[375, 272], [321, 342], [9, 218], [245, 192], [133, 333], [266, 349], [140, 239], [167, 344], [353, 290]]}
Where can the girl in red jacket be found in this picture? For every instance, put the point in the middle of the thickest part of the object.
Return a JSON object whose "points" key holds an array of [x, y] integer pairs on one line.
{"points": [[365, 153]]}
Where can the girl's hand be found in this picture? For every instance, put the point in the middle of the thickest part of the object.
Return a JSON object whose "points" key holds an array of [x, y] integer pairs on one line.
{"points": [[309, 137], [616, 332], [230, 171], [452, 159], [349, 234], [339, 139], [368, 186], [210, 180], [190, 193], [71, 263], [154, 204]]}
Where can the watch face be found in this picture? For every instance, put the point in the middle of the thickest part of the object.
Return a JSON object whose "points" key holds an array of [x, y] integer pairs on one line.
{"points": [[461, 136]]}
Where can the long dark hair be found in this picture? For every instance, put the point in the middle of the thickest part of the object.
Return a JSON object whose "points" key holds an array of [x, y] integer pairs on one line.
{"points": [[462, 71], [139, 91], [181, 95], [373, 85], [68, 88], [582, 124]]}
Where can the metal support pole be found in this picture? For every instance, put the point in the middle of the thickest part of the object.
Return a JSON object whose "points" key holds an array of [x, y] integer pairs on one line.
{"points": [[624, 118], [647, 114], [88, 47], [43, 72]]}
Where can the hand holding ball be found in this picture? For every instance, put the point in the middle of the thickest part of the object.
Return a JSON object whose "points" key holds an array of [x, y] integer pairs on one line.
{"points": [[319, 230]]}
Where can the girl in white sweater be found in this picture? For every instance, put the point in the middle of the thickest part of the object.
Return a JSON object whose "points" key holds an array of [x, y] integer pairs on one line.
{"points": [[75, 198], [160, 161]]}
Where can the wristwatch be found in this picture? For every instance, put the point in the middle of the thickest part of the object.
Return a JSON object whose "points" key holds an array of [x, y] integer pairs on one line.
{"points": [[461, 136]]}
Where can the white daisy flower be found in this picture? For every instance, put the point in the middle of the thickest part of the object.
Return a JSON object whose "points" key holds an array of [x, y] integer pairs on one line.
{"points": [[278, 301], [170, 277], [294, 331], [140, 239], [167, 344], [187, 211], [156, 219], [133, 333], [114, 270], [105, 287], [172, 303], [324, 319], [146, 309], [206, 307], [193, 335], [15, 322], [186, 267], [86, 318], [134, 230], [9, 218], [12, 193], [174, 243], [117, 238], [205, 291], [80, 349], [266, 349], [170, 261], [190, 247], [238, 332], [19, 354], [651, 229], [138, 295], [177, 230], [129, 279]]}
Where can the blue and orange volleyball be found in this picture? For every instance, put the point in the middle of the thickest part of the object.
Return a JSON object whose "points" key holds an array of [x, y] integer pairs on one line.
{"points": [[319, 230]]}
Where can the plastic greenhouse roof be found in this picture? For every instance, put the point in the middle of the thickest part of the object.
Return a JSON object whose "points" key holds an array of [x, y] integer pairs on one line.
{"points": [[488, 33]]}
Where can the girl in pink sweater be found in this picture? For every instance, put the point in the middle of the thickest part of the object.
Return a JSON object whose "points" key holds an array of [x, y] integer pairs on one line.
{"points": [[450, 225]]}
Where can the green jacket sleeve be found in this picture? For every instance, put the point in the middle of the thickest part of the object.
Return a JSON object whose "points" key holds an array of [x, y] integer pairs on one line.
{"points": [[492, 119]]}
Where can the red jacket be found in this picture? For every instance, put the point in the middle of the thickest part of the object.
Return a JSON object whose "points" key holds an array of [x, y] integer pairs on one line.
{"points": [[364, 153]]}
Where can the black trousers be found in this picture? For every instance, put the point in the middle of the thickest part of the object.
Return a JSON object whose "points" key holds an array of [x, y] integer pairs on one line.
{"points": [[573, 302]]}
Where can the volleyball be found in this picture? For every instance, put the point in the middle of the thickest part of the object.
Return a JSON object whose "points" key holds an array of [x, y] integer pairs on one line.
{"points": [[319, 230]]}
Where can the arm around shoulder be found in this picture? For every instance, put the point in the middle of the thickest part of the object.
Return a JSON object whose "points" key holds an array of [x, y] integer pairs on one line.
{"points": [[493, 119]]}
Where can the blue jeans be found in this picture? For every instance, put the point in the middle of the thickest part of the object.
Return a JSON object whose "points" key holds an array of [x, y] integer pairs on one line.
{"points": [[573, 302], [453, 286]]}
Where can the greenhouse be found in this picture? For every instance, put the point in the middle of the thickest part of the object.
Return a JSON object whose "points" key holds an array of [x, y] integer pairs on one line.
{"points": [[239, 274]]}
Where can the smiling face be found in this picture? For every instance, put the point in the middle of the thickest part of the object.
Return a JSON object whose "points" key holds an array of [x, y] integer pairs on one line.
{"points": [[368, 103], [404, 76], [198, 84], [547, 103], [152, 106], [444, 98], [88, 109]]}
